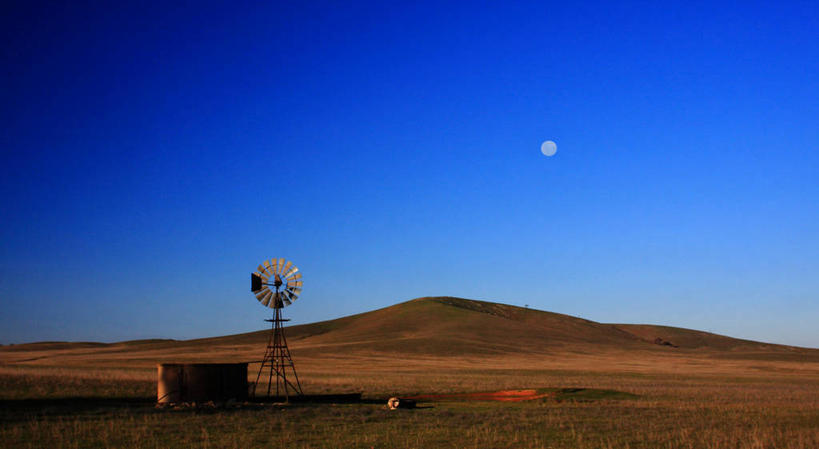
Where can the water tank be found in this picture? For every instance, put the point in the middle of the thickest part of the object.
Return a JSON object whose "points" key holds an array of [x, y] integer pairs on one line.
{"points": [[201, 382]]}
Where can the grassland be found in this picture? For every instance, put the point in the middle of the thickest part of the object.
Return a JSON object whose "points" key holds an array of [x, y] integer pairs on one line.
{"points": [[710, 392]]}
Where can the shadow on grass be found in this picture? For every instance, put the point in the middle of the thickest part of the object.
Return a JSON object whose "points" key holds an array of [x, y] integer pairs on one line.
{"points": [[75, 402], [590, 395], [349, 398], [22, 409]]}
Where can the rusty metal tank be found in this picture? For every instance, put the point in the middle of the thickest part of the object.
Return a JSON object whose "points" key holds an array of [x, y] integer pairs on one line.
{"points": [[201, 382]]}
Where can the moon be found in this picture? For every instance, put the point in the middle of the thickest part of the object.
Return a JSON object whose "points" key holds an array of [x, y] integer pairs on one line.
{"points": [[548, 148]]}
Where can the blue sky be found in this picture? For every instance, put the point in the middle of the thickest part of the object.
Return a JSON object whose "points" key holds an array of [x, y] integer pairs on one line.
{"points": [[153, 155]]}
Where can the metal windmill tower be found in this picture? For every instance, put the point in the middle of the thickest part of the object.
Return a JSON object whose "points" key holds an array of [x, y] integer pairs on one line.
{"points": [[276, 284]]}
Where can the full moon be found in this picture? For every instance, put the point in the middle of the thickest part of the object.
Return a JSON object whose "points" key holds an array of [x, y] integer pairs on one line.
{"points": [[548, 148]]}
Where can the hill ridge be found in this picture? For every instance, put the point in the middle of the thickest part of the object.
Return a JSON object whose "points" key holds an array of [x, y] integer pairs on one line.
{"points": [[432, 326]]}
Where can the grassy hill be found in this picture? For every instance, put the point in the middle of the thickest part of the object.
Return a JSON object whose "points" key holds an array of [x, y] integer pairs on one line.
{"points": [[442, 327], [632, 386]]}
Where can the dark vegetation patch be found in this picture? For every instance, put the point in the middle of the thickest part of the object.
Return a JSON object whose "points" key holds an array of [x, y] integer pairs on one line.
{"points": [[499, 310]]}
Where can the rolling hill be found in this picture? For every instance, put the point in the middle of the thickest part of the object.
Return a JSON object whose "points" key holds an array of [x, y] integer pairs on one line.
{"points": [[441, 327]]}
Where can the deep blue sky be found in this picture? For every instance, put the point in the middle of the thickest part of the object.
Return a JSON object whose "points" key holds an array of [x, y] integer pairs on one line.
{"points": [[152, 156]]}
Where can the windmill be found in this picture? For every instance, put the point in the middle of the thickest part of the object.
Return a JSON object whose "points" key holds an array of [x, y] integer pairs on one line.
{"points": [[276, 284]]}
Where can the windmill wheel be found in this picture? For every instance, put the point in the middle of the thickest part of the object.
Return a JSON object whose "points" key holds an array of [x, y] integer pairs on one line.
{"points": [[280, 274]]}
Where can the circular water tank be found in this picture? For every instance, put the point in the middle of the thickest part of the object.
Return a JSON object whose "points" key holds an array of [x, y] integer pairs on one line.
{"points": [[201, 382]]}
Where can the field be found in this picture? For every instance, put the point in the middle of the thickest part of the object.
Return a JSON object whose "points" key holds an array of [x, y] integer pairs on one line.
{"points": [[708, 392]]}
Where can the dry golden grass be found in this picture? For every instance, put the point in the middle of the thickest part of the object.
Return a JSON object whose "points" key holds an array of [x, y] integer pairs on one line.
{"points": [[727, 406], [739, 396]]}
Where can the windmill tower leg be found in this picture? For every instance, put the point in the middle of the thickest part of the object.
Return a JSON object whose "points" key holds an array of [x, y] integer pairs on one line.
{"points": [[278, 360], [287, 361]]}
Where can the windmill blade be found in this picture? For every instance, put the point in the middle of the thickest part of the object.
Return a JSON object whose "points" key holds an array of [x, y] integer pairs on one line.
{"points": [[259, 294], [292, 271], [260, 269], [286, 298], [283, 300], [291, 295], [275, 297], [295, 277], [281, 265], [286, 268], [265, 299], [264, 276], [291, 283], [295, 291], [268, 299]]}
